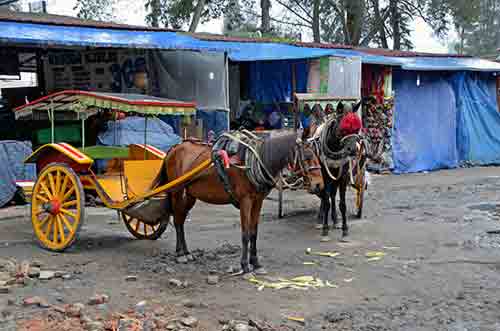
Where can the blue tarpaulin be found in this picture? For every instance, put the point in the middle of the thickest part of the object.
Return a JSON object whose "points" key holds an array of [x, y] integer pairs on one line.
{"points": [[131, 131], [57, 35], [213, 120], [61, 36], [12, 155], [271, 81], [425, 124], [478, 118]]}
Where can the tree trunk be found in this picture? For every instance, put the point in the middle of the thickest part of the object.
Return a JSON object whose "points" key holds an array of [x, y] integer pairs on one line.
{"points": [[197, 15], [380, 24], [265, 6], [315, 23], [155, 13], [395, 22], [354, 19]]}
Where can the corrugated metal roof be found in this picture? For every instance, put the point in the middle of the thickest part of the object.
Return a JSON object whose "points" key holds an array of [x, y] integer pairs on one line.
{"points": [[51, 19]]}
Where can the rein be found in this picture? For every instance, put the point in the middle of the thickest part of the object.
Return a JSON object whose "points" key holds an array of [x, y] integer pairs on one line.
{"points": [[256, 166]]}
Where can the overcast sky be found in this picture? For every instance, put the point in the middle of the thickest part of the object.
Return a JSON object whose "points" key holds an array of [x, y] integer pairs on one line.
{"points": [[133, 12]]}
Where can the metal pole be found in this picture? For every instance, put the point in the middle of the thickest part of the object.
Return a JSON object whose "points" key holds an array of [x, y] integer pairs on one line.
{"points": [[83, 133], [145, 136], [52, 129]]}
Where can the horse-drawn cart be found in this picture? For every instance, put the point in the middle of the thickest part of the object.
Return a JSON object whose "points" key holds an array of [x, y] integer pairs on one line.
{"points": [[301, 169], [65, 173]]}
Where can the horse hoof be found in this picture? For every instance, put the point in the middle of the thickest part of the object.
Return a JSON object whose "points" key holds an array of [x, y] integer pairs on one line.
{"points": [[337, 226], [260, 271], [344, 240], [318, 226], [182, 259], [190, 257], [325, 239]]}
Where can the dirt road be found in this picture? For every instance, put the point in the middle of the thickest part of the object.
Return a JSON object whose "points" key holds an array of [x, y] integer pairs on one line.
{"points": [[436, 265]]}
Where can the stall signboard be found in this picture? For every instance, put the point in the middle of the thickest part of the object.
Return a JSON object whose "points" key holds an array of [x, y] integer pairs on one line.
{"points": [[118, 71]]}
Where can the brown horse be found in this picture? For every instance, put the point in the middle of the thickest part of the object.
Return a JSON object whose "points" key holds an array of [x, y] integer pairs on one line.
{"points": [[209, 187]]}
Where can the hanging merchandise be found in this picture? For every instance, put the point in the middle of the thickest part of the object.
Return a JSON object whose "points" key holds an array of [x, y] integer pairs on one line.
{"points": [[378, 121]]}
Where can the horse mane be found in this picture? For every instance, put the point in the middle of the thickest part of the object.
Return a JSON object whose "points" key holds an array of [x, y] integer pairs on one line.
{"points": [[276, 151]]}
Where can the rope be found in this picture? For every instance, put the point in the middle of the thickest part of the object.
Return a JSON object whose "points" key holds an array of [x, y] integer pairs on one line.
{"points": [[259, 175]]}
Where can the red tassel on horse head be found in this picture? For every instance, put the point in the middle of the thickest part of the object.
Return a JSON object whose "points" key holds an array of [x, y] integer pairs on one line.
{"points": [[350, 124]]}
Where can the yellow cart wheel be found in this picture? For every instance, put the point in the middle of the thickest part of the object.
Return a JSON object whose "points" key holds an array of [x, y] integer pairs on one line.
{"points": [[57, 207], [142, 230]]}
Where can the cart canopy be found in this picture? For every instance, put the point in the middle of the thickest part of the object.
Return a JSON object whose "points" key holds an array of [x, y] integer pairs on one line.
{"points": [[87, 103]]}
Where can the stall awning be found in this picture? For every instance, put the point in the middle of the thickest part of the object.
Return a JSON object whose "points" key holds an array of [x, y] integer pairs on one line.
{"points": [[88, 102], [75, 36]]}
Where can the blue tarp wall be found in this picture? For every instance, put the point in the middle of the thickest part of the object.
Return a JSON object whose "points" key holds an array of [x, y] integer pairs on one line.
{"points": [[12, 156], [271, 81], [446, 120], [425, 123], [215, 120], [478, 134]]}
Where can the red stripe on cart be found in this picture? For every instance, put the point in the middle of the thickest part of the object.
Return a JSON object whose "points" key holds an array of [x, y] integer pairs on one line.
{"points": [[73, 151]]}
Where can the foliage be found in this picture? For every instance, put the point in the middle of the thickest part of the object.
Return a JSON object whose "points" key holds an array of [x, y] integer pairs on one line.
{"points": [[100, 10]]}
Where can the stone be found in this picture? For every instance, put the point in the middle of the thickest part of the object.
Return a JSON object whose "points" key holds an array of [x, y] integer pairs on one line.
{"points": [[36, 264], [169, 270], [4, 289], [160, 311], [182, 259], [189, 321], [46, 275], [171, 326], [43, 303], [75, 310], [241, 327], [31, 301], [102, 307], [34, 272], [94, 326], [67, 276], [5, 276], [188, 303], [131, 278], [98, 299], [175, 282], [140, 307], [23, 269], [213, 280]]}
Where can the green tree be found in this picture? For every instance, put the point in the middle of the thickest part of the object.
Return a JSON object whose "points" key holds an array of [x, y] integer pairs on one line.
{"points": [[100, 10]]}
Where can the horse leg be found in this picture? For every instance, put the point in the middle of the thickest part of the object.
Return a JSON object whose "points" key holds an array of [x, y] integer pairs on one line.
{"points": [[182, 207], [333, 196], [342, 206], [319, 220], [245, 216], [325, 200], [254, 226]]}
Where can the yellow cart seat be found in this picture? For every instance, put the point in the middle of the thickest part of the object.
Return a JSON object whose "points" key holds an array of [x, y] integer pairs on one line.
{"points": [[140, 175]]}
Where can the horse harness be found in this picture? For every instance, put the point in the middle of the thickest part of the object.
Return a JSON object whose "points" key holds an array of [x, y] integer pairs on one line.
{"points": [[337, 160], [241, 149]]}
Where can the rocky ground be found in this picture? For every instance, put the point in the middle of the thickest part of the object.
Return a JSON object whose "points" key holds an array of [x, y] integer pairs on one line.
{"points": [[424, 257]]}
